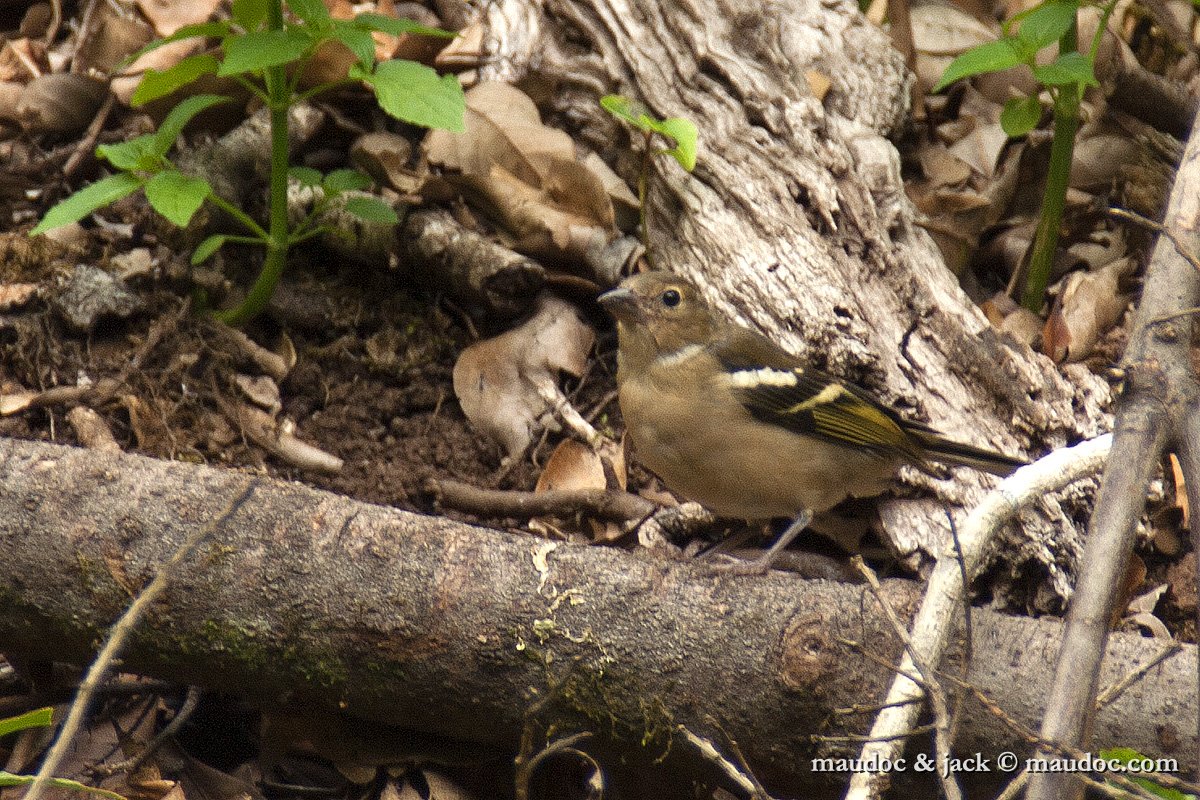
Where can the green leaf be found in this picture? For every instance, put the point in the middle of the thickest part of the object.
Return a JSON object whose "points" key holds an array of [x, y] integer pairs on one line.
{"points": [[157, 84], [9, 779], [306, 176], [180, 116], [397, 26], [372, 209], [414, 93], [208, 30], [341, 180], [358, 41], [249, 13], [136, 154], [88, 199], [683, 132], [311, 12], [1125, 755], [1047, 23], [209, 246], [38, 718], [177, 196], [1020, 115], [990, 57], [1068, 69], [629, 111], [261, 49]]}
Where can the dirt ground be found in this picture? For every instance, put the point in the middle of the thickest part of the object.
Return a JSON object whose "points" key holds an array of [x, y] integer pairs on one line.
{"points": [[371, 383]]}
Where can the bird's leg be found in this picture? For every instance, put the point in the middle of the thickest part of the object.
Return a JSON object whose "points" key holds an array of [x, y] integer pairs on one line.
{"points": [[763, 563]]}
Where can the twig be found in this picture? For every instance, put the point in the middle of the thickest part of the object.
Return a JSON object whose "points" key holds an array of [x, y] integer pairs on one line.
{"points": [[933, 689], [1110, 694], [1132, 216], [498, 503], [709, 751], [933, 623], [1161, 393], [116, 641], [190, 703], [88, 142]]}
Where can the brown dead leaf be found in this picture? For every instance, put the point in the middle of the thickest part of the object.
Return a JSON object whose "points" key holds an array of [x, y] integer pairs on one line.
{"points": [[385, 157], [15, 295], [575, 466], [527, 176], [943, 168], [161, 59], [535, 224], [61, 102], [1089, 304], [1181, 498], [464, 52], [168, 16], [503, 127], [12, 402], [22, 60], [505, 384], [111, 33]]}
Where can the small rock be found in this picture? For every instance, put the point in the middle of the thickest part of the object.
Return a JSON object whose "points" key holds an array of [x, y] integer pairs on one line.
{"points": [[90, 294]]}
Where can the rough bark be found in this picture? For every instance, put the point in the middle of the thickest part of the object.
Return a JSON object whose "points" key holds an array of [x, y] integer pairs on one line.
{"points": [[1157, 414], [795, 219], [308, 598]]}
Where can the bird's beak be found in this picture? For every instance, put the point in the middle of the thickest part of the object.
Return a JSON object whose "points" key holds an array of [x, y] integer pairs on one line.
{"points": [[622, 304]]}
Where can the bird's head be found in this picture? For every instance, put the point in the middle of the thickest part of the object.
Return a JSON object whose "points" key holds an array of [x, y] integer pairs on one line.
{"points": [[658, 314]]}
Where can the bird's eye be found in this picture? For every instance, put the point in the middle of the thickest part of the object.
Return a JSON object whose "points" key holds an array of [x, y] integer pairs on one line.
{"points": [[671, 298]]}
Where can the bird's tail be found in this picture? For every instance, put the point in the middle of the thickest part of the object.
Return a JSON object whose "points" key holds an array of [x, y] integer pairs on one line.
{"points": [[939, 448]]}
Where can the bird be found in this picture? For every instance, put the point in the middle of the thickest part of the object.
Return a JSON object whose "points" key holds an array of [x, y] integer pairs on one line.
{"points": [[729, 419]]}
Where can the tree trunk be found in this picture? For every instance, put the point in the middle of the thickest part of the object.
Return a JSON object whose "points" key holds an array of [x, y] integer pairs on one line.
{"points": [[795, 219], [313, 600]]}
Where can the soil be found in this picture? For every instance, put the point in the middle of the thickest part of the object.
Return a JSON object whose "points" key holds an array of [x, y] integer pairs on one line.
{"points": [[371, 382]]}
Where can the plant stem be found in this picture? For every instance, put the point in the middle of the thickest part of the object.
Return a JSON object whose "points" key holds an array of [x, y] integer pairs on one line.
{"points": [[279, 98], [643, 190], [1062, 148]]}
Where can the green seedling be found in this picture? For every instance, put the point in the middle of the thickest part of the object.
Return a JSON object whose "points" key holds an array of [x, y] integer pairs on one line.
{"points": [[1127, 755], [1065, 79], [42, 718], [677, 131], [266, 52]]}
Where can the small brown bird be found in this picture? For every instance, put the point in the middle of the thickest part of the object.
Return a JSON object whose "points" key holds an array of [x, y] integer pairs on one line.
{"points": [[729, 419]]}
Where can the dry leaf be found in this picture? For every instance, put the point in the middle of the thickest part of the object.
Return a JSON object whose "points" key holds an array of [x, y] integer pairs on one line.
{"points": [[161, 59], [385, 157], [260, 390], [12, 402], [112, 32], [1089, 304], [464, 52], [63, 102], [22, 60], [576, 466], [943, 168], [506, 384], [503, 127], [1182, 578], [91, 430], [15, 295], [1181, 498], [168, 16], [527, 176]]}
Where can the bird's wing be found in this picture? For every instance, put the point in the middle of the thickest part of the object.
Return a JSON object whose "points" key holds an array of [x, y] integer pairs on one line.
{"points": [[776, 388]]}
